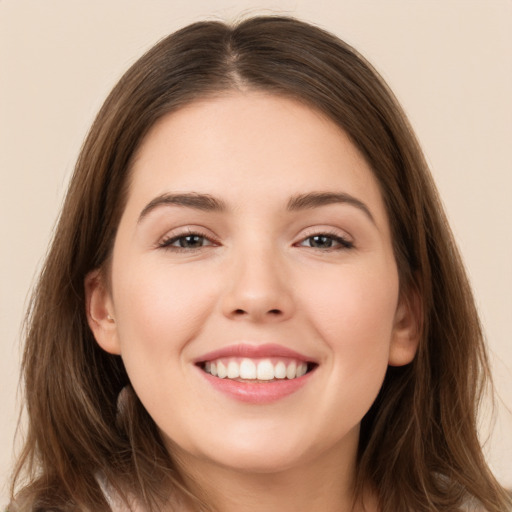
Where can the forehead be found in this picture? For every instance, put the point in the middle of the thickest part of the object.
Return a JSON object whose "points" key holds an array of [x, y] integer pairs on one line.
{"points": [[249, 144]]}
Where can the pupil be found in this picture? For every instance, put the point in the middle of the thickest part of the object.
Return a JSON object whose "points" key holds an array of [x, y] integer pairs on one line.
{"points": [[321, 241], [191, 241]]}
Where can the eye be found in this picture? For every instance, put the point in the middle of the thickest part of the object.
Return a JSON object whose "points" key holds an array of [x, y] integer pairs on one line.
{"points": [[326, 241], [186, 241]]}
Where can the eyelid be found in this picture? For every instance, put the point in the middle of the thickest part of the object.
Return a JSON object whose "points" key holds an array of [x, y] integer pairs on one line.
{"points": [[342, 237], [326, 230], [175, 234], [165, 242]]}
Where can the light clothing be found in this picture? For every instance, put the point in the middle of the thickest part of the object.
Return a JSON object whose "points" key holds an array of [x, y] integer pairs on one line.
{"points": [[114, 500]]}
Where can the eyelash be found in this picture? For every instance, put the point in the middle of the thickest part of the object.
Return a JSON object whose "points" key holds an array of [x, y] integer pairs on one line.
{"points": [[344, 243], [167, 243]]}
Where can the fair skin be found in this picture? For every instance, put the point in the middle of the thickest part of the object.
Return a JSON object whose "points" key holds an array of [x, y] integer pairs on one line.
{"points": [[294, 253]]}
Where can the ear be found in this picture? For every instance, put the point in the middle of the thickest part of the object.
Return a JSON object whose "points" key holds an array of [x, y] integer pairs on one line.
{"points": [[100, 312], [406, 329]]}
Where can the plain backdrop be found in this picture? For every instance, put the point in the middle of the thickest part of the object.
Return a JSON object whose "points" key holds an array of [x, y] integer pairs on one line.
{"points": [[448, 61]]}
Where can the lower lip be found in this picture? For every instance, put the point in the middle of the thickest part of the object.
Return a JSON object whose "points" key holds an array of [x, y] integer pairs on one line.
{"points": [[257, 393]]}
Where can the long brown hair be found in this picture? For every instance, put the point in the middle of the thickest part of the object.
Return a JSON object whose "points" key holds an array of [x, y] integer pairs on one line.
{"points": [[418, 449]]}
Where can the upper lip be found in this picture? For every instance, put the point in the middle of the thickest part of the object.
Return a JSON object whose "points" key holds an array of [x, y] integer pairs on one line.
{"points": [[254, 351]]}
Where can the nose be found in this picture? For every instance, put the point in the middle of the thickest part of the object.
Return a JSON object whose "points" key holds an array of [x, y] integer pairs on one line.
{"points": [[258, 289]]}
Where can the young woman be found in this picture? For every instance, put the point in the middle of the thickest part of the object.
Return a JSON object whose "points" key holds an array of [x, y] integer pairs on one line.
{"points": [[253, 300]]}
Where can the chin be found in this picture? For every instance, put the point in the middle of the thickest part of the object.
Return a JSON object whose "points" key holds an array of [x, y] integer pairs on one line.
{"points": [[263, 454], [261, 461]]}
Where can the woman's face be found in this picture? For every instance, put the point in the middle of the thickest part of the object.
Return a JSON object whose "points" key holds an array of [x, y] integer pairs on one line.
{"points": [[254, 247]]}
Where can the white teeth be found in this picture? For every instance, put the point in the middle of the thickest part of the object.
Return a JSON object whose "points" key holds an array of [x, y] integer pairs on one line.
{"points": [[291, 371], [280, 370], [233, 370], [249, 369], [222, 371], [302, 369], [265, 370]]}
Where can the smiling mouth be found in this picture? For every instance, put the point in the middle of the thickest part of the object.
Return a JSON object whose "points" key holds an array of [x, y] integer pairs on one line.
{"points": [[259, 370]]}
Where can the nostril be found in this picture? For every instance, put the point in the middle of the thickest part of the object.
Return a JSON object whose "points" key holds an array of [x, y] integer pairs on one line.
{"points": [[255, 312]]}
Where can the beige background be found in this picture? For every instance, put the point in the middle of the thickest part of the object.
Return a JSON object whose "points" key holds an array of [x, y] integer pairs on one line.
{"points": [[449, 62]]}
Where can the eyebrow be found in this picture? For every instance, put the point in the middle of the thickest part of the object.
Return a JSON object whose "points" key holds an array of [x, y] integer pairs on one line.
{"points": [[203, 202], [318, 199], [208, 203]]}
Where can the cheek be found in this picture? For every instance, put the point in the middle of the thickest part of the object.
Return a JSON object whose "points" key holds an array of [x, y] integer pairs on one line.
{"points": [[159, 308], [354, 298], [353, 313]]}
